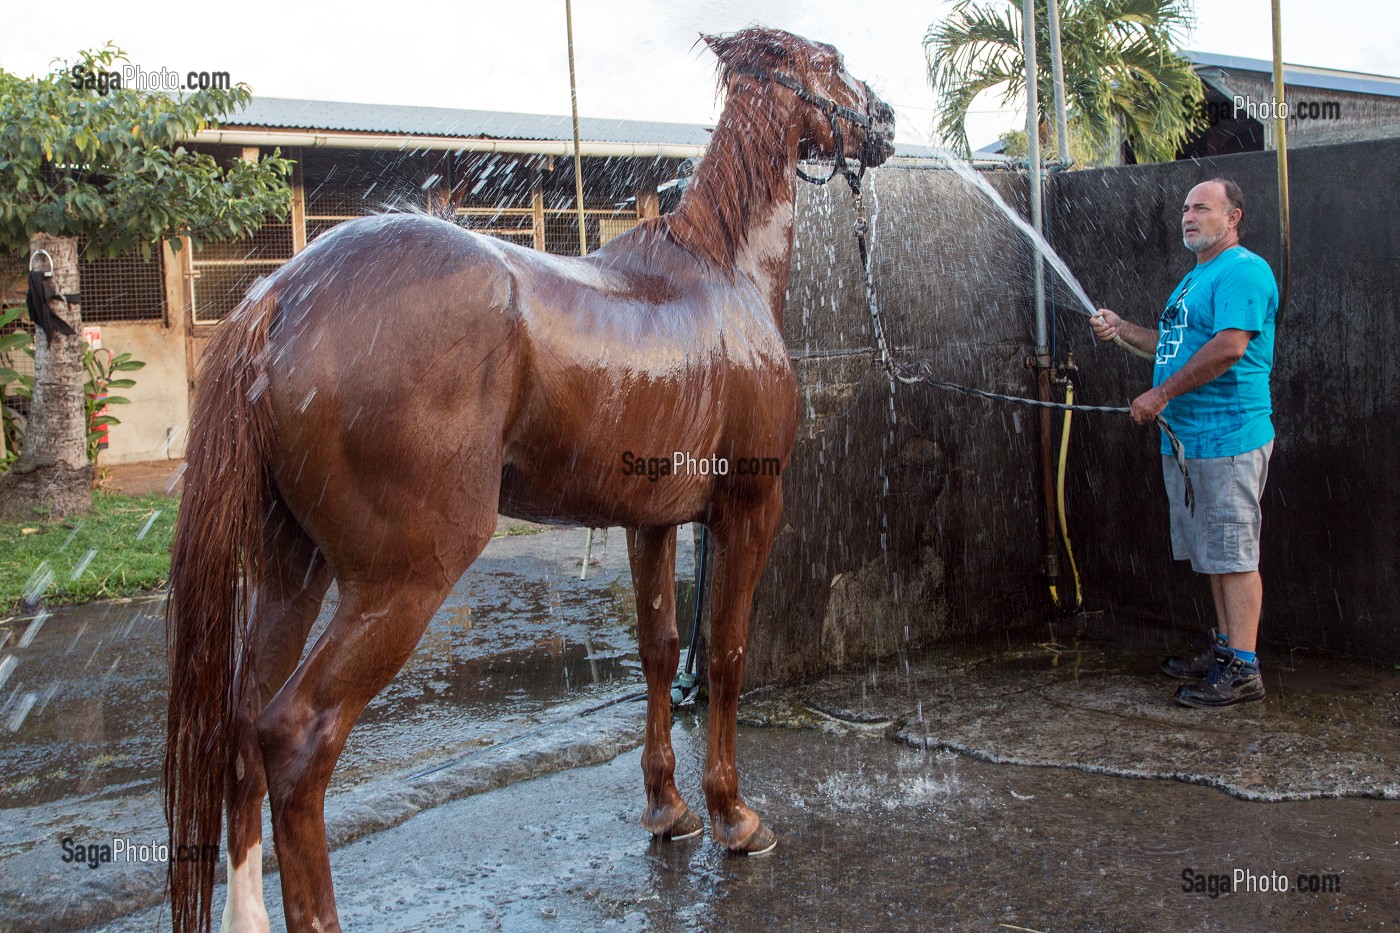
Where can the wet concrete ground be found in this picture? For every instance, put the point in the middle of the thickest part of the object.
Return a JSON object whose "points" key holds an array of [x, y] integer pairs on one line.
{"points": [[1090, 696], [96, 673], [872, 836], [496, 784], [520, 642]]}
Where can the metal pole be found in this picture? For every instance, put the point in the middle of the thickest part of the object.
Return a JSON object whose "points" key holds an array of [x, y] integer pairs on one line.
{"points": [[1281, 138], [578, 154], [578, 199], [1042, 331], [1057, 68]]}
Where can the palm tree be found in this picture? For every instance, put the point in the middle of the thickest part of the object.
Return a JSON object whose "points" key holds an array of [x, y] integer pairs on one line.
{"points": [[1124, 78]]}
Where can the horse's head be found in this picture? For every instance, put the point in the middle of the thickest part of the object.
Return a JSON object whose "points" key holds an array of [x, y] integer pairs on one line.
{"points": [[839, 116]]}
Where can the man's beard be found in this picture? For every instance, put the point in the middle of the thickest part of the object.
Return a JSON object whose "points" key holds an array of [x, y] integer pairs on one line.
{"points": [[1204, 243]]}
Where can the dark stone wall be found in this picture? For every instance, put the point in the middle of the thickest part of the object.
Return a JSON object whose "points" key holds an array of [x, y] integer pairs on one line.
{"points": [[919, 520], [910, 517], [1331, 542]]}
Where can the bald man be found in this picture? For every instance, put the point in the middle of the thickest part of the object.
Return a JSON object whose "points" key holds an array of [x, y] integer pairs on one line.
{"points": [[1214, 346]]}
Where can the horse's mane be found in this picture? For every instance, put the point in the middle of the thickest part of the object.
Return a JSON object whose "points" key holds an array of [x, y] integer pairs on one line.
{"points": [[743, 167]]}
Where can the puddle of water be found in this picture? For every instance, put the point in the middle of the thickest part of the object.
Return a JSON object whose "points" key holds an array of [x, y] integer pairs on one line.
{"points": [[86, 686], [96, 675]]}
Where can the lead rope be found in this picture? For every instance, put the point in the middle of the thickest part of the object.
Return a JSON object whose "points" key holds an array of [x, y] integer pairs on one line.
{"points": [[921, 371]]}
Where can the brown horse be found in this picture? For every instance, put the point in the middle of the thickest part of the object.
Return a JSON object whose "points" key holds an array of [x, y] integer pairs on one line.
{"points": [[367, 411]]}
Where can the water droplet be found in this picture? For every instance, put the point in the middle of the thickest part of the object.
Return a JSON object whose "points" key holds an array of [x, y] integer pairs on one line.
{"points": [[147, 527], [33, 629], [26, 703], [175, 477], [38, 584], [82, 565]]}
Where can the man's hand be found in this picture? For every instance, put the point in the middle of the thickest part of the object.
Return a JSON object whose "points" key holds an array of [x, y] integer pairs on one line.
{"points": [[1148, 405], [1106, 324]]}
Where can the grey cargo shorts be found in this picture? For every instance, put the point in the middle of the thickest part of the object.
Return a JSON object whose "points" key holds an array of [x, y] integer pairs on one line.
{"points": [[1223, 534]]}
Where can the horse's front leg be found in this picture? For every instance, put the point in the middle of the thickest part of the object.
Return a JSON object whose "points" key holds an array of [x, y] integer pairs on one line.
{"points": [[653, 556], [743, 531]]}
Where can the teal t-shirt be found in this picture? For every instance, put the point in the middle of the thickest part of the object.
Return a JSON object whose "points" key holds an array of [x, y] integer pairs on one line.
{"points": [[1229, 415]]}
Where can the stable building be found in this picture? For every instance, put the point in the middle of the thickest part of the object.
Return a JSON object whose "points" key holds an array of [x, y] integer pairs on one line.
{"points": [[509, 175], [1323, 106]]}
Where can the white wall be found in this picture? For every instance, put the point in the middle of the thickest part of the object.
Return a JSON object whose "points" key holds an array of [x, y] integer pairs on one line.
{"points": [[160, 404]]}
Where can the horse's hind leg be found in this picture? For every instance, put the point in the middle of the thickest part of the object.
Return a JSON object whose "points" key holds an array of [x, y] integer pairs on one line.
{"points": [[653, 557], [382, 614], [743, 532], [288, 598]]}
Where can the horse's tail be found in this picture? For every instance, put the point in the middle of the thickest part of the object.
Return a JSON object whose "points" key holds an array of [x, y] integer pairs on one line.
{"points": [[217, 556]]}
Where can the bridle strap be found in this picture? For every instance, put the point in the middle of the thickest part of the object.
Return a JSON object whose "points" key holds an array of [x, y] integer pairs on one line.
{"points": [[823, 104], [835, 112]]}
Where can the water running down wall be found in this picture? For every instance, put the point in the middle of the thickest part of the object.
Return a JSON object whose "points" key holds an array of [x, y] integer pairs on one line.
{"points": [[906, 528]]}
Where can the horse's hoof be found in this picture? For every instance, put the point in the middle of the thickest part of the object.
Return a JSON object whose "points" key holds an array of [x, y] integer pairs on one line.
{"points": [[760, 842], [686, 826]]}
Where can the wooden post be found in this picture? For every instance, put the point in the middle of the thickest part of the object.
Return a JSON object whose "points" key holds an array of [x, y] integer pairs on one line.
{"points": [[437, 169], [648, 204], [298, 203], [537, 203], [186, 299]]}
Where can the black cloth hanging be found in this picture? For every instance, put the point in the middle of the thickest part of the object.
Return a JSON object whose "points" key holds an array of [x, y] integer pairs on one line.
{"points": [[41, 292]]}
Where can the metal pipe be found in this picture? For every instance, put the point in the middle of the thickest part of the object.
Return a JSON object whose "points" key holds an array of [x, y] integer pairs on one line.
{"points": [[1042, 332], [1057, 69], [1041, 360], [406, 142], [578, 199], [316, 139], [1281, 141], [578, 157]]}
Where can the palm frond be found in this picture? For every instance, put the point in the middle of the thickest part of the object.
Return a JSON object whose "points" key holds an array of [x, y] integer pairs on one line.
{"points": [[1123, 70]]}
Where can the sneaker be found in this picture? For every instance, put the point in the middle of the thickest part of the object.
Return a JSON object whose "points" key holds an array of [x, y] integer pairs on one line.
{"points": [[1231, 682], [1198, 665]]}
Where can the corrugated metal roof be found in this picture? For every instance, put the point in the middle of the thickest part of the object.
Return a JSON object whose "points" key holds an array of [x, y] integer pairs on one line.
{"points": [[281, 112], [1302, 75], [399, 119]]}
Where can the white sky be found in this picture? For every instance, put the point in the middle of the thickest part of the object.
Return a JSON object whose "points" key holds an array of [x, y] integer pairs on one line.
{"points": [[636, 59]]}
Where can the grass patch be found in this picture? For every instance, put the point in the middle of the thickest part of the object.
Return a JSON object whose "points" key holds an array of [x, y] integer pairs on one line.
{"points": [[514, 527], [120, 548]]}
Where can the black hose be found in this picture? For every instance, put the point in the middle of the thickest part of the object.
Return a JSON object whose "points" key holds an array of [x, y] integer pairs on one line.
{"points": [[700, 582]]}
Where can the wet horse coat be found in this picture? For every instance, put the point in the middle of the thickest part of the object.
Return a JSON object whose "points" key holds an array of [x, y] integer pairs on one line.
{"points": [[368, 410]]}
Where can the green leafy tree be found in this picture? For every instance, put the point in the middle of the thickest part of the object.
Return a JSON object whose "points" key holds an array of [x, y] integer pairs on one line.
{"points": [[80, 157], [13, 384], [1124, 78], [100, 367]]}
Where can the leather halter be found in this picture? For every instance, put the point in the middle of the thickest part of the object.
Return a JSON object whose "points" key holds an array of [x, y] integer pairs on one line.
{"points": [[834, 112]]}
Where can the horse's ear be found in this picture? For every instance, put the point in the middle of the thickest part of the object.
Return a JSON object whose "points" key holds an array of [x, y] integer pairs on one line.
{"points": [[754, 46]]}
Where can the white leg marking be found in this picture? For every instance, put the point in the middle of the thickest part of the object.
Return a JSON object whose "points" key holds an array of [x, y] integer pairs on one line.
{"points": [[244, 911]]}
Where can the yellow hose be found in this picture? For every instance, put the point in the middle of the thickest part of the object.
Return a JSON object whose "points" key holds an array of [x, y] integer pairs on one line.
{"points": [[1060, 502]]}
